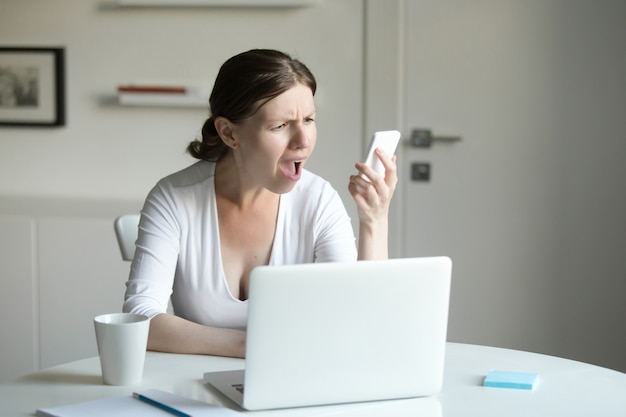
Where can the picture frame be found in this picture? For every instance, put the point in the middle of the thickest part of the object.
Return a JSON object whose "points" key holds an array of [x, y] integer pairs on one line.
{"points": [[32, 86]]}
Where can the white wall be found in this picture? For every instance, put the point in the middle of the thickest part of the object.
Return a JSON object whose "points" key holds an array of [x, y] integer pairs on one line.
{"points": [[112, 152], [590, 111]]}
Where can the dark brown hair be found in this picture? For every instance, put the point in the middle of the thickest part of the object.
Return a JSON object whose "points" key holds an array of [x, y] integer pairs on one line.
{"points": [[243, 84]]}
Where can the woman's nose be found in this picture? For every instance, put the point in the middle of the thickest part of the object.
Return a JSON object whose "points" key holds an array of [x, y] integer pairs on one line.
{"points": [[300, 138]]}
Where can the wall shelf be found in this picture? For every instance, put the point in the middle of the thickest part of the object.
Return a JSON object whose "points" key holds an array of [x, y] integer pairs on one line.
{"points": [[158, 94], [112, 100], [215, 3]]}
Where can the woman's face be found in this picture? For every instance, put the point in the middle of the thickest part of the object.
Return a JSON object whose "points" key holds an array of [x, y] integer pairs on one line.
{"points": [[275, 142]]}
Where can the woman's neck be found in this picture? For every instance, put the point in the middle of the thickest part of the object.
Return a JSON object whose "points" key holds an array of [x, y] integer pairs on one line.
{"points": [[232, 186]]}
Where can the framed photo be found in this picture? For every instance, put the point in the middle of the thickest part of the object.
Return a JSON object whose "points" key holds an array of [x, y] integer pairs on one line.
{"points": [[32, 86]]}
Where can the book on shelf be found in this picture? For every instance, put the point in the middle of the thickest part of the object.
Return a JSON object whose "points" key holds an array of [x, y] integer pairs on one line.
{"points": [[162, 95], [161, 89]]}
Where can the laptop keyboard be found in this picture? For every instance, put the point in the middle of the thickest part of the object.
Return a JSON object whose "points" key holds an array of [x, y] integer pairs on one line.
{"points": [[238, 387]]}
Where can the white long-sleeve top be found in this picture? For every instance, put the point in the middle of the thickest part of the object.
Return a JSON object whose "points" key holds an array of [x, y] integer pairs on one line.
{"points": [[178, 247]]}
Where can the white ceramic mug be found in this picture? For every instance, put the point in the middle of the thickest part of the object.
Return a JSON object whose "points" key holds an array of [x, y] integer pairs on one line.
{"points": [[122, 341]]}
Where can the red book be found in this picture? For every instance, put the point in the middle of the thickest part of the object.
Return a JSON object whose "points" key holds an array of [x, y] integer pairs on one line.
{"points": [[160, 89]]}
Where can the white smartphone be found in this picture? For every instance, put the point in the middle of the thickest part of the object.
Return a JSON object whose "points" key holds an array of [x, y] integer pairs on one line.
{"points": [[386, 140]]}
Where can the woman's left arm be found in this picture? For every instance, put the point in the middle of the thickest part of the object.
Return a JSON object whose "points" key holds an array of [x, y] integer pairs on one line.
{"points": [[372, 199]]}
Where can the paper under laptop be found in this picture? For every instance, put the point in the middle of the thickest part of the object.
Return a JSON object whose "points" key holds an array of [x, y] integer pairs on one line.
{"points": [[333, 333]]}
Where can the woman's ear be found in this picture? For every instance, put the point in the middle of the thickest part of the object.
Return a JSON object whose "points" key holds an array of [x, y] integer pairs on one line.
{"points": [[225, 129]]}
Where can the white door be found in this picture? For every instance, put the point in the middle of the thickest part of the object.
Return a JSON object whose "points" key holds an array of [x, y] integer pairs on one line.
{"points": [[535, 187]]}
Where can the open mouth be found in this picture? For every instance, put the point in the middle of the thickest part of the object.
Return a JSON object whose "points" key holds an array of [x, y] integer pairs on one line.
{"points": [[292, 169]]}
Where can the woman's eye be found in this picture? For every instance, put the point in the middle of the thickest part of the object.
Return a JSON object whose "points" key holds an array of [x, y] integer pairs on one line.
{"points": [[309, 120], [279, 127]]}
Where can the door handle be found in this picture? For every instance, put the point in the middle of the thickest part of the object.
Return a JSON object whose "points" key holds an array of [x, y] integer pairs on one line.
{"points": [[423, 138]]}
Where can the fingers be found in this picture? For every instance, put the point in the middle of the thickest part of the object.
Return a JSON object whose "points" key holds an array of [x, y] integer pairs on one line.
{"points": [[359, 186], [368, 187], [390, 178], [391, 175]]}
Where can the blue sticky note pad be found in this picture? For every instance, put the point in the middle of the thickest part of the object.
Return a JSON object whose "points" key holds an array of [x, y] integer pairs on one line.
{"points": [[518, 380]]}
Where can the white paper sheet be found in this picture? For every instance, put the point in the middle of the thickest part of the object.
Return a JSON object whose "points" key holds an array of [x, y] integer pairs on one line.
{"points": [[126, 405]]}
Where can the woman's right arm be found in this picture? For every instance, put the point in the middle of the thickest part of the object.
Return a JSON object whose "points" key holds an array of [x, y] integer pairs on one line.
{"points": [[151, 280], [169, 333]]}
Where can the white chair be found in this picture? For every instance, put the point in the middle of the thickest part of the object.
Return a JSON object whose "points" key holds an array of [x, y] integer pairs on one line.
{"points": [[126, 230]]}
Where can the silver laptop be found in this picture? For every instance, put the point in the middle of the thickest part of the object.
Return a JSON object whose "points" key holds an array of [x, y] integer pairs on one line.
{"points": [[331, 333]]}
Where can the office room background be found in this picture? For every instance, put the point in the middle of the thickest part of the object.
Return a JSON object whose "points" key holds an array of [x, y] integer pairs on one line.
{"points": [[530, 202]]}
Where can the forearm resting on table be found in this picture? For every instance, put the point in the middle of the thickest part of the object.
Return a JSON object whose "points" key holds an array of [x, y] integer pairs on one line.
{"points": [[169, 333]]}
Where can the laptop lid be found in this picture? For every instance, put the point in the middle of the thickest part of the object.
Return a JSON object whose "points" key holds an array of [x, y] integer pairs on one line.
{"points": [[332, 333]]}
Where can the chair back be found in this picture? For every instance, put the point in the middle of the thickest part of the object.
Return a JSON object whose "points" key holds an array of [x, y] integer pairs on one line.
{"points": [[126, 230]]}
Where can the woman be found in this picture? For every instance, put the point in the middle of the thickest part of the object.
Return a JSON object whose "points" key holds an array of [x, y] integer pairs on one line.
{"points": [[247, 202]]}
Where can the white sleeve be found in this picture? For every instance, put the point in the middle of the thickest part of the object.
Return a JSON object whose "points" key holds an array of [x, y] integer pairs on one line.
{"points": [[153, 268]]}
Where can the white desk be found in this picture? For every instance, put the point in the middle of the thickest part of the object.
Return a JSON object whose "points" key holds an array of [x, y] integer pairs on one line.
{"points": [[567, 388]]}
